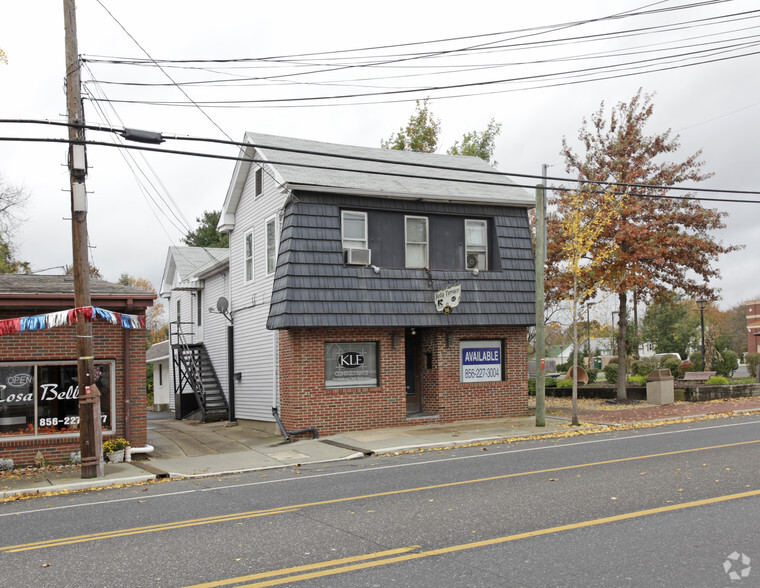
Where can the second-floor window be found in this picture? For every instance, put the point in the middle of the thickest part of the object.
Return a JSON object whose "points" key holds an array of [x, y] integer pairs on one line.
{"points": [[249, 256], [416, 241], [354, 229], [271, 234], [476, 244]]}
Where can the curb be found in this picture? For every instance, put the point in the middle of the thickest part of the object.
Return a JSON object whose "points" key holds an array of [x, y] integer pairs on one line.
{"points": [[75, 486], [359, 454]]}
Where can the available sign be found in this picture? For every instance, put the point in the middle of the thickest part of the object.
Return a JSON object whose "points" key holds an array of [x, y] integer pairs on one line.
{"points": [[480, 361]]}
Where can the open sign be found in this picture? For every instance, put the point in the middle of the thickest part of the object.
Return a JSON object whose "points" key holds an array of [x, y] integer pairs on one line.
{"points": [[19, 380]]}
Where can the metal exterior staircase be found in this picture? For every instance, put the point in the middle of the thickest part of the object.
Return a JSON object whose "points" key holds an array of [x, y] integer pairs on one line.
{"points": [[193, 368]]}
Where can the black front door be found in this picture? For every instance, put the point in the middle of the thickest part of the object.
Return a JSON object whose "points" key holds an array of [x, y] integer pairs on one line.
{"points": [[413, 392]]}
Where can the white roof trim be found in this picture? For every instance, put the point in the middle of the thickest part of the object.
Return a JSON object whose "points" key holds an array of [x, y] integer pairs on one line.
{"points": [[411, 196]]}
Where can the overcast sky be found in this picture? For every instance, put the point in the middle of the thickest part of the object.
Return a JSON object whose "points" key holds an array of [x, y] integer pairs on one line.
{"points": [[140, 204]]}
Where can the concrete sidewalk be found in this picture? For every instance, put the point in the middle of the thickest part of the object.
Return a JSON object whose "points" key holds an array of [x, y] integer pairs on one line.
{"points": [[184, 449]]}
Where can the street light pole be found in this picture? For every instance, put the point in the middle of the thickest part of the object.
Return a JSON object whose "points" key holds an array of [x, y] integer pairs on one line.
{"points": [[588, 331], [702, 304]]}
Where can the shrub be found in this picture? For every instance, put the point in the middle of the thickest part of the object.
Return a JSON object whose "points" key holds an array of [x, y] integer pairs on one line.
{"points": [[532, 386], [669, 356], [566, 383], [671, 364], [592, 373], [610, 372], [717, 381], [640, 380], [563, 367], [550, 383], [696, 359], [728, 363], [685, 366], [644, 366], [752, 360]]}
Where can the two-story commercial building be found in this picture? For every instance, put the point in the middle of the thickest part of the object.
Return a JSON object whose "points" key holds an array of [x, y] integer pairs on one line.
{"points": [[365, 288]]}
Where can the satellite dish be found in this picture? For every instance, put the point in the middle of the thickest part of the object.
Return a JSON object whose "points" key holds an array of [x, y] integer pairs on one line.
{"points": [[222, 305]]}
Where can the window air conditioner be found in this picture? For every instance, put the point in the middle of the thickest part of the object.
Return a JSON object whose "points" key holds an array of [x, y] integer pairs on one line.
{"points": [[357, 256]]}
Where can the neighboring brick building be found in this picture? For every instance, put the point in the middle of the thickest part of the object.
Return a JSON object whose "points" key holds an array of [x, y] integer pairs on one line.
{"points": [[38, 390], [753, 326], [366, 288]]}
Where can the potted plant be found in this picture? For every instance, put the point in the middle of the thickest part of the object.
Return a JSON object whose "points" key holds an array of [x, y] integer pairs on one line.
{"points": [[113, 449]]}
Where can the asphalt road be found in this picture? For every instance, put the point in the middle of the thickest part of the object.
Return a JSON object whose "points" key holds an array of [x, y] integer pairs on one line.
{"points": [[666, 506]]}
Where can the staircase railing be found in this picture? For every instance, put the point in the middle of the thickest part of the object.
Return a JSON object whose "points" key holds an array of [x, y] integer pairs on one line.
{"points": [[193, 367], [187, 369]]}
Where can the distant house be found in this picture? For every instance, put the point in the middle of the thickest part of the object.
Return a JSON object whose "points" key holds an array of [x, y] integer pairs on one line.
{"points": [[159, 355], [753, 326], [39, 394], [365, 288]]}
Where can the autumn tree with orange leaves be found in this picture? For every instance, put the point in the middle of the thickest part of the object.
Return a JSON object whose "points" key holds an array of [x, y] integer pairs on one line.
{"points": [[156, 327], [661, 244]]}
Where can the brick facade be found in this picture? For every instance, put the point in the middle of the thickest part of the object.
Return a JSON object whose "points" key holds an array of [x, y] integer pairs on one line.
{"points": [[306, 402], [59, 344]]}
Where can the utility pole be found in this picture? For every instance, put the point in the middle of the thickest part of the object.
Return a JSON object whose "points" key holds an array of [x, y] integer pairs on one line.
{"points": [[90, 431], [540, 304]]}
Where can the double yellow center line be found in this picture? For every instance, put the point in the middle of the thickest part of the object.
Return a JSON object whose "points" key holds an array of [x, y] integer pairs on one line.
{"points": [[404, 554]]}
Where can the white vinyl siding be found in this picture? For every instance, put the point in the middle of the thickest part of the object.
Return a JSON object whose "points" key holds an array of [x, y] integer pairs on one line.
{"points": [[254, 344], [416, 235], [215, 327]]}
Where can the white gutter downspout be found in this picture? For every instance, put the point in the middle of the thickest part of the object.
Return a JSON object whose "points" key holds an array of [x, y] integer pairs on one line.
{"points": [[130, 450]]}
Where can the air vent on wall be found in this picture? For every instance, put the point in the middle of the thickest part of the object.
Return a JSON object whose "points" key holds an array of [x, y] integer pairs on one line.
{"points": [[357, 256], [472, 261]]}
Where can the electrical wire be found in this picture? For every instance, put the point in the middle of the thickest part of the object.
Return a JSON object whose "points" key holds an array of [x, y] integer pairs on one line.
{"points": [[419, 176], [465, 68]]}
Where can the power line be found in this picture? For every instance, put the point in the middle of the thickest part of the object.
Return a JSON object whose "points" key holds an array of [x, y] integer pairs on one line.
{"points": [[532, 45], [542, 28], [418, 176], [284, 102]]}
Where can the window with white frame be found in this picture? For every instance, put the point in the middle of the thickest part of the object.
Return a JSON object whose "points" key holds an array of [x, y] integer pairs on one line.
{"points": [[416, 235], [248, 261], [271, 237], [476, 244], [353, 229]]}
